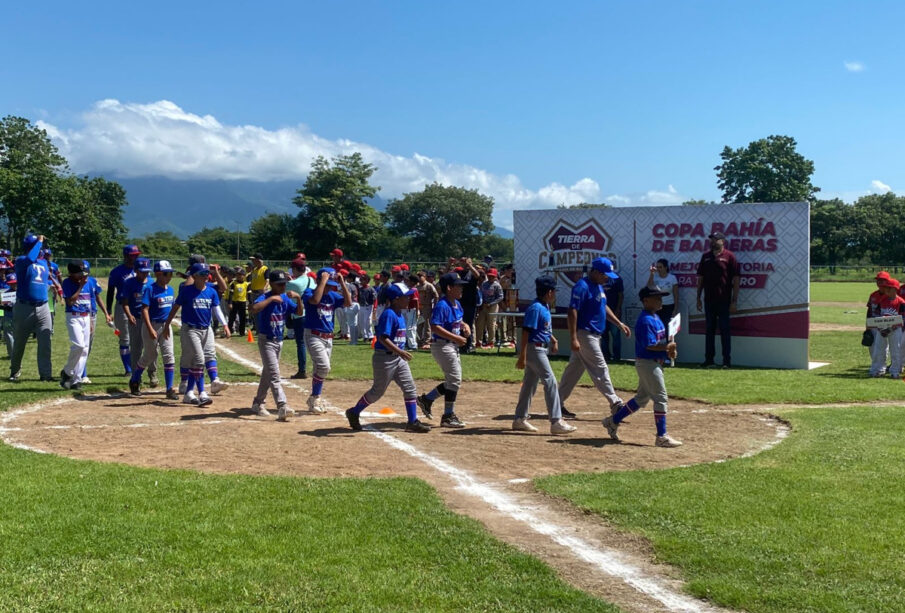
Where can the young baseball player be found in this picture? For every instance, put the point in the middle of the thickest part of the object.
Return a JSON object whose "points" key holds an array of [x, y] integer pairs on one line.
{"points": [[238, 302], [390, 362], [300, 283], [320, 305], [95, 291], [157, 302], [77, 296], [449, 333], [200, 303], [367, 297], [271, 310], [132, 291], [218, 285], [885, 302], [537, 336], [652, 348], [8, 299], [115, 293]]}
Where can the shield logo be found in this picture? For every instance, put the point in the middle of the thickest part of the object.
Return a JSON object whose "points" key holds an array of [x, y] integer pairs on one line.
{"points": [[571, 248]]}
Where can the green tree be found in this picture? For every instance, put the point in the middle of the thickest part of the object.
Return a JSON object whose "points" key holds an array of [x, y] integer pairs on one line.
{"points": [[876, 224], [217, 243], [273, 236], [502, 249], [440, 220], [83, 217], [585, 205], [163, 244], [767, 170], [334, 208], [698, 202], [832, 231]]}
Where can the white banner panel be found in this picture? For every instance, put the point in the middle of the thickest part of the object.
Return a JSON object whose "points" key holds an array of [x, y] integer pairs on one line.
{"points": [[770, 241]]}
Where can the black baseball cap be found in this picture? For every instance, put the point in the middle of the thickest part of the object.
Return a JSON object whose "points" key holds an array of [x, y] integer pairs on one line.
{"points": [[449, 279], [717, 236], [544, 283], [278, 276], [75, 267], [650, 292]]}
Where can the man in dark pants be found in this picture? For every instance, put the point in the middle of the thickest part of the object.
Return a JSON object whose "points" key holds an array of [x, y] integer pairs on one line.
{"points": [[469, 300], [718, 277]]}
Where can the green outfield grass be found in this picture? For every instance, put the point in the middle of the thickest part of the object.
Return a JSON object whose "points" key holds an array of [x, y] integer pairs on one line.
{"points": [[812, 525], [842, 292], [839, 315]]}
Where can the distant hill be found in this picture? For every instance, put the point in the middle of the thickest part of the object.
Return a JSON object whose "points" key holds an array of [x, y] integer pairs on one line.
{"points": [[185, 206]]}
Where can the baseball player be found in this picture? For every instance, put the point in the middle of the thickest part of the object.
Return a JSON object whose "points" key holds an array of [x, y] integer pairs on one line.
{"points": [[53, 282], [95, 292], [367, 297], [31, 314], [157, 301], [115, 292], [390, 362], [218, 285], [300, 283], [588, 314], [449, 333], [8, 289], [77, 295], [537, 336], [132, 291], [200, 303], [884, 302], [652, 348], [271, 310], [350, 313], [320, 305]]}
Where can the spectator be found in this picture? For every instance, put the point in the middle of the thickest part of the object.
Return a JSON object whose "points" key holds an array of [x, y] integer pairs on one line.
{"points": [[428, 297], [612, 336], [300, 283], [492, 296], [470, 297], [668, 283], [718, 277], [257, 281]]}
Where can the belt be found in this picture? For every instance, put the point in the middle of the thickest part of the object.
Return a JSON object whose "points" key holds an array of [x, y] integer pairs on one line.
{"points": [[34, 302], [273, 338], [319, 334], [544, 345], [159, 321], [389, 353], [75, 314], [196, 327]]}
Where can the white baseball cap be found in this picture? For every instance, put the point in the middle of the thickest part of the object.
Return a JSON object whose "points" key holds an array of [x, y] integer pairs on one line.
{"points": [[163, 266]]}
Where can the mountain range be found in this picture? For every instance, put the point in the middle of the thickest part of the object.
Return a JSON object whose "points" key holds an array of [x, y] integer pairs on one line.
{"points": [[184, 206]]}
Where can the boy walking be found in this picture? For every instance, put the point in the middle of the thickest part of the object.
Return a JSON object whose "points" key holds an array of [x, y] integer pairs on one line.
{"points": [[132, 291], [320, 305], [157, 301], [77, 295]]}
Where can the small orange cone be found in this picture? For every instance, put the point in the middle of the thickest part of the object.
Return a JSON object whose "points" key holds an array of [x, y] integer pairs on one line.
{"points": [[387, 411], [249, 337]]}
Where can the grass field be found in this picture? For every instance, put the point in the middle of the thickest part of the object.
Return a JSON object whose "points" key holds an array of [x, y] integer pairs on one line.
{"points": [[812, 525]]}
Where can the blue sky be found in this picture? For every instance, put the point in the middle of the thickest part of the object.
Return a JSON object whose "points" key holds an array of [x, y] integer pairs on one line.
{"points": [[627, 102]]}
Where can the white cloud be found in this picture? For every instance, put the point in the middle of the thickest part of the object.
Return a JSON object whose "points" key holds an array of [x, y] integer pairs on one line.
{"points": [[854, 66], [160, 138], [880, 186]]}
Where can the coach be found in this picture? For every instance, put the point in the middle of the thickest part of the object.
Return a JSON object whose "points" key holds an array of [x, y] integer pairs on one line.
{"points": [[718, 277], [31, 313]]}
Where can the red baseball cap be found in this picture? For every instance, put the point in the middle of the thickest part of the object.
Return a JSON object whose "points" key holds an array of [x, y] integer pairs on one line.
{"points": [[458, 269], [301, 255], [396, 269], [493, 273], [337, 251], [889, 282], [356, 266], [312, 275], [882, 275], [298, 262], [404, 267]]}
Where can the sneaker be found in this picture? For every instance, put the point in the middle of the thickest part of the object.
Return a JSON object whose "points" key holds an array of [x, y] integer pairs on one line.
{"points": [[259, 410], [284, 413], [667, 441], [611, 427], [153, 382], [354, 421], [14, 378], [65, 382], [190, 398], [315, 404], [218, 386], [85, 381], [567, 414], [726, 366], [417, 426], [135, 388], [424, 403], [451, 421], [183, 386], [520, 424], [299, 375], [708, 364], [561, 427], [204, 399], [172, 395], [614, 408]]}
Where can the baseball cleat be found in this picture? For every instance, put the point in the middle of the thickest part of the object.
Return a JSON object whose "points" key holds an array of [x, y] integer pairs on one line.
{"points": [[611, 427], [354, 421], [204, 399], [424, 403], [284, 414], [667, 441], [316, 404], [259, 410], [561, 427], [218, 386], [85, 381], [451, 421], [183, 386], [172, 395], [14, 378], [190, 398], [614, 408], [417, 426], [567, 414], [153, 381], [520, 424], [135, 388]]}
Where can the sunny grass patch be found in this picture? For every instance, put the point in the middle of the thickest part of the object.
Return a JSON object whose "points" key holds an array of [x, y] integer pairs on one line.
{"points": [[812, 525], [842, 292]]}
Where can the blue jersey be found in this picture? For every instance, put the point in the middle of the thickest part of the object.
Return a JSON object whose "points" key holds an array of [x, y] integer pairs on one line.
{"points": [[589, 299], [95, 293], [649, 330], [54, 272], [448, 315], [158, 300], [83, 304], [197, 305], [272, 318], [319, 317], [132, 290], [392, 325], [538, 322], [116, 279], [32, 274]]}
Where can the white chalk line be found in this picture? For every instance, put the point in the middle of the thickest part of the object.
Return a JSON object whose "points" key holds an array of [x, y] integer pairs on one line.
{"points": [[171, 424]]}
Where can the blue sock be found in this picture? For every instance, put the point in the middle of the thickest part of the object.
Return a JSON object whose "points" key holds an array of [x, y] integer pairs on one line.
{"points": [[199, 379], [126, 356], [85, 372], [136, 374], [411, 409], [317, 385], [660, 420], [363, 402], [191, 382], [433, 394], [627, 409], [212, 370], [169, 373], [183, 374]]}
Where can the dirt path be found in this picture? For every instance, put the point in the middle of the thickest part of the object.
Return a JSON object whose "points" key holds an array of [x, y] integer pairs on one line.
{"points": [[482, 471], [834, 328]]}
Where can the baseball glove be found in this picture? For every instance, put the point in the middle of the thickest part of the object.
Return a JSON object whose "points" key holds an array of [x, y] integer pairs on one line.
{"points": [[867, 338]]}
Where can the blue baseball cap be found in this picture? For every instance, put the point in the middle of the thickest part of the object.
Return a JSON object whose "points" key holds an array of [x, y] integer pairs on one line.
{"points": [[544, 283], [199, 268], [48, 252], [142, 265], [162, 266], [131, 250], [331, 272], [397, 290], [29, 240], [604, 265], [86, 265]]}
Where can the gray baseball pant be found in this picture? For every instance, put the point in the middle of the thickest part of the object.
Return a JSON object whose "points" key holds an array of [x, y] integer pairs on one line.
{"points": [[7, 330], [537, 368], [390, 367], [411, 328], [137, 335], [651, 385], [197, 346], [589, 358], [446, 355], [151, 347], [364, 323], [350, 322], [28, 318], [122, 324], [319, 352], [270, 374]]}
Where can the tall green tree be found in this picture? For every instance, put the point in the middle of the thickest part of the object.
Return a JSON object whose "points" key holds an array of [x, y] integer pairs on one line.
{"points": [[334, 208], [83, 217], [585, 205], [833, 231], [163, 244], [767, 170], [273, 236], [441, 220], [218, 243], [877, 225]]}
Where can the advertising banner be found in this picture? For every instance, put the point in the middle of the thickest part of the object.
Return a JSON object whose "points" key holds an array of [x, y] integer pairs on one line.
{"points": [[770, 241]]}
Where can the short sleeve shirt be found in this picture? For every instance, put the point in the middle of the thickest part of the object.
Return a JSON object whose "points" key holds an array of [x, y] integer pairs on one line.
{"points": [[393, 326], [538, 322], [116, 279], [158, 300], [272, 319], [319, 317], [258, 279], [133, 288], [717, 273], [83, 304], [238, 292], [197, 305], [666, 284], [589, 299], [96, 291], [448, 315], [649, 330]]}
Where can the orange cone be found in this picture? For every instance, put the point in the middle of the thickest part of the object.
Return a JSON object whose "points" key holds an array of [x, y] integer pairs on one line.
{"points": [[250, 338]]}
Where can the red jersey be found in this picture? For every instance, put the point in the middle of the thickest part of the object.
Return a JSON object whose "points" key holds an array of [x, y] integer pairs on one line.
{"points": [[880, 305]]}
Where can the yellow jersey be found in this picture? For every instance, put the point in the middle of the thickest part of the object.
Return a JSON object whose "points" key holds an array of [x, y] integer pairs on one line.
{"points": [[258, 279], [238, 292]]}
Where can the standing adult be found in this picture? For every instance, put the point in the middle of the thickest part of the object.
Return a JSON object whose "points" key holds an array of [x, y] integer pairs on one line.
{"points": [[115, 282], [509, 304], [492, 296], [667, 282], [427, 297], [470, 298], [612, 336], [31, 313], [299, 284], [718, 277], [587, 318]]}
